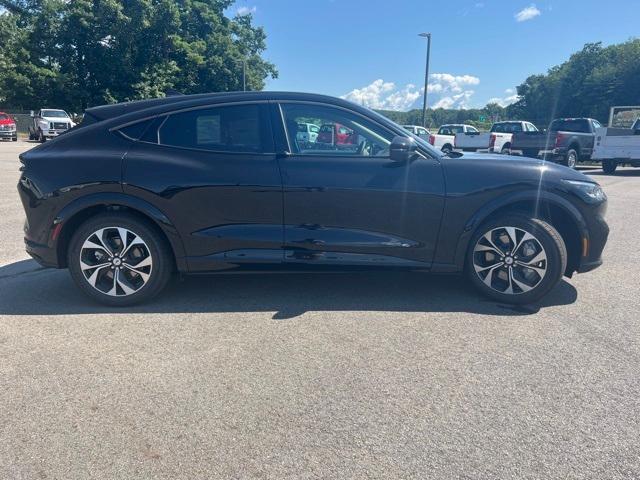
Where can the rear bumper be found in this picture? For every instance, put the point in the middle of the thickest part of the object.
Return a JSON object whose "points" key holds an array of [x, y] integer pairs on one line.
{"points": [[43, 254]]}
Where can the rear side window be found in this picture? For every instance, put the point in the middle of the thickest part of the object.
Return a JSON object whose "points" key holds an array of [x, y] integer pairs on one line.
{"points": [[234, 128], [136, 131], [507, 127], [570, 125]]}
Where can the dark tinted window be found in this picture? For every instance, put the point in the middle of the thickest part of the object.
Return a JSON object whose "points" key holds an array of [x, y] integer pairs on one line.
{"points": [[451, 129], [3, 116], [570, 125], [237, 128], [511, 127], [136, 130]]}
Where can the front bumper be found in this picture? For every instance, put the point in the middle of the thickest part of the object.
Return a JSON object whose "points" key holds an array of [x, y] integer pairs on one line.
{"points": [[593, 244], [53, 133], [8, 133]]}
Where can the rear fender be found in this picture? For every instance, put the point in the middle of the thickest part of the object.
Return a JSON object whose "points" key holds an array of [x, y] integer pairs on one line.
{"points": [[113, 199]]}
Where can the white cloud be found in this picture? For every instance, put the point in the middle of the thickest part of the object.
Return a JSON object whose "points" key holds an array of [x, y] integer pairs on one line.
{"points": [[242, 11], [445, 90], [461, 100], [527, 13], [509, 98]]}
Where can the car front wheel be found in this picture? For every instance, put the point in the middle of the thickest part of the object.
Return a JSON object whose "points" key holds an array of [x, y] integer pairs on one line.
{"points": [[516, 259], [119, 260]]}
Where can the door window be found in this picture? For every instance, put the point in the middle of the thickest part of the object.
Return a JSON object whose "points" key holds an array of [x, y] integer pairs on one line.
{"points": [[234, 128], [340, 132]]}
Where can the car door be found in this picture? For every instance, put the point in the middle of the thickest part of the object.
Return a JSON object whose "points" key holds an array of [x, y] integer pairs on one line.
{"points": [[349, 203], [213, 172]]}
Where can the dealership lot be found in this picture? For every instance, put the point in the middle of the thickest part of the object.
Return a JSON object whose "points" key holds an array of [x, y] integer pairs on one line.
{"points": [[331, 376]]}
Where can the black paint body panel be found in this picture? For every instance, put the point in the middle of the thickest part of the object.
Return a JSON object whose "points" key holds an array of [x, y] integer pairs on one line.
{"points": [[241, 211]]}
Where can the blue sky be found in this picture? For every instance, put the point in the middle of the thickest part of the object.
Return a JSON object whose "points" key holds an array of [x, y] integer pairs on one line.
{"points": [[369, 50]]}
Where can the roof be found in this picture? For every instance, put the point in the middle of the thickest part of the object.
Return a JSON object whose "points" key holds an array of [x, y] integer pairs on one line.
{"points": [[155, 106]]}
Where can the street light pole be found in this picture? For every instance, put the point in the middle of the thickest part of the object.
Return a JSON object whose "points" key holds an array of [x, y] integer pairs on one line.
{"points": [[426, 78], [244, 74]]}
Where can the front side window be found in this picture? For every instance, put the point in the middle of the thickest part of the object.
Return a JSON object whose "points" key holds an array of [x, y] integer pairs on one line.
{"points": [[340, 132], [233, 128]]}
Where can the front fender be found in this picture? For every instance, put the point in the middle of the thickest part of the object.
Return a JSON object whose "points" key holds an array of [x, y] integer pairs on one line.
{"points": [[539, 198], [114, 199]]}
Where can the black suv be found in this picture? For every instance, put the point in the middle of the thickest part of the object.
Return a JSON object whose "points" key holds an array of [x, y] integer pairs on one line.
{"points": [[223, 183]]}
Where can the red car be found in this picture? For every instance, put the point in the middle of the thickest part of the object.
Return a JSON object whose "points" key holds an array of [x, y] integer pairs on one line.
{"points": [[337, 135], [8, 128]]}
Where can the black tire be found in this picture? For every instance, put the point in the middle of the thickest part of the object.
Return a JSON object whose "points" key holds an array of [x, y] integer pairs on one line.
{"points": [[447, 148], [14, 139], [609, 166], [41, 137], [506, 150], [155, 247], [555, 262], [571, 158]]}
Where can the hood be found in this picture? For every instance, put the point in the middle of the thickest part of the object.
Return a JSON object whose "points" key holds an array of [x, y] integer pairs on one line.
{"points": [[516, 167]]}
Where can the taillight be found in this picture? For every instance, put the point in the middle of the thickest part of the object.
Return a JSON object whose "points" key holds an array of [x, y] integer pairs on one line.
{"points": [[432, 139], [559, 138], [492, 140]]}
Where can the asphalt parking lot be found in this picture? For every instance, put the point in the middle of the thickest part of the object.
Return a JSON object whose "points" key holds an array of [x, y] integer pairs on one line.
{"points": [[331, 376]]}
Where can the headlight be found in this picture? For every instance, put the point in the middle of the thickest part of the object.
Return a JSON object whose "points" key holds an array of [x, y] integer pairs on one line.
{"points": [[590, 192]]}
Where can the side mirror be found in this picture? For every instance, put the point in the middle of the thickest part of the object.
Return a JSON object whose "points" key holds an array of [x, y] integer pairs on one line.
{"points": [[32, 114], [402, 149]]}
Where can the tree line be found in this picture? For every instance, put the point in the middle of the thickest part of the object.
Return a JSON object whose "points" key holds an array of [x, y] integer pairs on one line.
{"points": [[81, 53], [586, 85]]}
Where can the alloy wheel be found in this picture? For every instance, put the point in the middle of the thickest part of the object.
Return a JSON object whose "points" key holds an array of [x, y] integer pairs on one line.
{"points": [[116, 261], [510, 260]]}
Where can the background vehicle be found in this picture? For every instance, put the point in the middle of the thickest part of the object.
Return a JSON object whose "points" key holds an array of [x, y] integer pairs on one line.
{"points": [[49, 123], [307, 132], [498, 140], [418, 130], [568, 141], [446, 137], [615, 146], [215, 183], [336, 135], [8, 130]]}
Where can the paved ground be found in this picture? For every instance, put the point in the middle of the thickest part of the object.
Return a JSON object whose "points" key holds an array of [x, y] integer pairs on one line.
{"points": [[354, 376]]}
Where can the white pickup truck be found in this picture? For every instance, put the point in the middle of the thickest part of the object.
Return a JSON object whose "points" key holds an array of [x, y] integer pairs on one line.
{"points": [[445, 139], [49, 123], [497, 140], [616, 146]]}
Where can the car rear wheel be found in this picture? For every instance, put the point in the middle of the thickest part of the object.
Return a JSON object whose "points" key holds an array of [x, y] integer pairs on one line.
{"points": [[119, 260], [516, 259], [571, 158], [41, 137], [609, 166], [447, 149]]}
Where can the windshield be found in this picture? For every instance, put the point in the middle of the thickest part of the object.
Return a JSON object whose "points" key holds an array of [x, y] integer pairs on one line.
{"points": [[55, 114], [4, 117]]}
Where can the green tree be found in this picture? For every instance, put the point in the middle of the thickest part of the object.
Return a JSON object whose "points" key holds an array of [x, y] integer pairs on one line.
{"points": [[586, 85], [90, 52]]}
